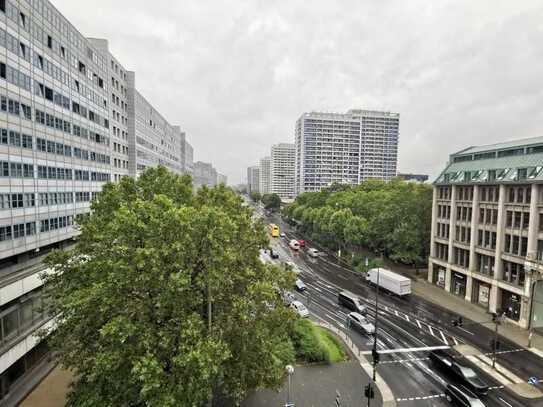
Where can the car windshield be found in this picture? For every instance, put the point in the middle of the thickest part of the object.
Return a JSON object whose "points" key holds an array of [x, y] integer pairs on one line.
{"points": [[467, 372]]}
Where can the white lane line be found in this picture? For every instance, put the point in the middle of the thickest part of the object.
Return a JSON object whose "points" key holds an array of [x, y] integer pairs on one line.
{"points": [[407, 350], [396, 312], [418, 324], [334, 319], [407, 317], [455, 341], [504, 402], [342, 277], [466, 331], [317, 289], [443, 337], [431, 330]]}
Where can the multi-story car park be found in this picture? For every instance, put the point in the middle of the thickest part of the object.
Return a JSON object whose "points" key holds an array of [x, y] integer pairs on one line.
{"points": [[264, 175], [283, 159], [487, 227], [253, 179], [64, 133], [345, 148]]}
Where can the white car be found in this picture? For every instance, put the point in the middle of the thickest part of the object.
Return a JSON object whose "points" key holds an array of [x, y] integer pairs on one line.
{"points": [[313, 252], [360, 323], [283, 234], [300, 286], [300, 309], [294, 245]]}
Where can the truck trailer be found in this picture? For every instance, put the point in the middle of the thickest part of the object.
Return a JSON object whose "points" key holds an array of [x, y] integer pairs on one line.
{"points": [[390, 281]]}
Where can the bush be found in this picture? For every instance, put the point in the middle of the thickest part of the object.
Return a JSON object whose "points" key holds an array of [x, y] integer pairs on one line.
{"points": [[315, 344]]}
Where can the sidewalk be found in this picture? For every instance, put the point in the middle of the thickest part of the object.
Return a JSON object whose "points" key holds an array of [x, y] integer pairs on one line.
{"points": [[471, 311], [51, 392]]}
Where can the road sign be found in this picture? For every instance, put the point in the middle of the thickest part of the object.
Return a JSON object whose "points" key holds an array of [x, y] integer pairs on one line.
{"points": [[533, 380]]}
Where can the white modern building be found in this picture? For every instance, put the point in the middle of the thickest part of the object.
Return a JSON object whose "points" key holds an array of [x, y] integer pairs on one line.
{"points": [[253, 179], [222, 179], [487, 229], [204, 174], [282, 170], [70, 121], [345, 148], [264, 175]]}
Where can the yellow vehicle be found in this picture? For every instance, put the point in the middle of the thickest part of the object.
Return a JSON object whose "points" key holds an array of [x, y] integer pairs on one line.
{"points": [[274, 230]]}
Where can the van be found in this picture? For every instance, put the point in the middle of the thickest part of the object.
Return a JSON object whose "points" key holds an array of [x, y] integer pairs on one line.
{"points": [[294, 245], [351, 301]]}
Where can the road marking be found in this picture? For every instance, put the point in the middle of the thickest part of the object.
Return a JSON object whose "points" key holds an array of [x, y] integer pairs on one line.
{"points": [[432, 396], [455, 341], [443, 337], [418, 323], [342, 277], [407, 350], [317, 289], [505, 402], [401, 360], [407, 317], [466, 331], [431, 330]]}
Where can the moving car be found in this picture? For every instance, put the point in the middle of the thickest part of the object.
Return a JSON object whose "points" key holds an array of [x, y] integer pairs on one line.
{"points": [[460, 396], [301, 242], [313, 252], [294, 245], [351, 301], [300, 286], [361, 324], [460, 373], [283, 234], [300, 309], [274, 230]]}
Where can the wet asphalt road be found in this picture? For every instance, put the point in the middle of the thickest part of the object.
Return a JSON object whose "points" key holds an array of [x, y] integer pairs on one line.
{"points": [[404, 324]]}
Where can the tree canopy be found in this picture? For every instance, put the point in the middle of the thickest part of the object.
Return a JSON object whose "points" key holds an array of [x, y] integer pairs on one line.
{"points": [[256, 196], [390, 218], [163, 300], [271, 201]]}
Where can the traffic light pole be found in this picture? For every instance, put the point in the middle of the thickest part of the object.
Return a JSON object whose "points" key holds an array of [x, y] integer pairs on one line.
{"points": [[376, 324]]}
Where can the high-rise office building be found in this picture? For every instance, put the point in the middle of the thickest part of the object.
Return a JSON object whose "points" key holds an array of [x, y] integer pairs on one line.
{"points": [[253, 179], [283, 159], [345, 148], [264, 175], [70, 121], [487, 228]]}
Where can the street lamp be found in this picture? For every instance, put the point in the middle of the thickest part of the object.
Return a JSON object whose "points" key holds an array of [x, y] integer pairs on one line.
{"points": [[290, 371]]}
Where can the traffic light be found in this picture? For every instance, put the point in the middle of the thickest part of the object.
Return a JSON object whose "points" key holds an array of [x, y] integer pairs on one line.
{"points": [[375, 356], [369, 392]]}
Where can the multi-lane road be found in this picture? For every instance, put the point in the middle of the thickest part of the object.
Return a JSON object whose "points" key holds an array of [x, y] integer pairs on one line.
{"points": [[407, 331]]}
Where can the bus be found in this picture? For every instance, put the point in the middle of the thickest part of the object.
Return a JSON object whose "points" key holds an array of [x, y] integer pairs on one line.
{"points": [[274, 230]]}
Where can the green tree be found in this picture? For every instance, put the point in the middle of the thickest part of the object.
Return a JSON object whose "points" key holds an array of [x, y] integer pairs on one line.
{"points": [[164, 301], [271, 201], [256, 196]]}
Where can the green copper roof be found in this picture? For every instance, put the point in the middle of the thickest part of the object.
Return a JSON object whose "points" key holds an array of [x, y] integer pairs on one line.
{"points": [[502, 146]]}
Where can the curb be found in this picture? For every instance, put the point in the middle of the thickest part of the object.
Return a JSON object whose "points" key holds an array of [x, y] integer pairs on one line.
{"points": [[386, 393]]}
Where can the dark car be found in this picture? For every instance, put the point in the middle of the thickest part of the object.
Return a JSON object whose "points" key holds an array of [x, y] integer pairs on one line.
{"points": [[460, 373], [351, 301], [274, 255], [460, 396]]}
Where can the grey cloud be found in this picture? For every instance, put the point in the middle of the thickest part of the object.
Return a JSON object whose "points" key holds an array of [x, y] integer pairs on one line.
{"points": [[237, 74]]}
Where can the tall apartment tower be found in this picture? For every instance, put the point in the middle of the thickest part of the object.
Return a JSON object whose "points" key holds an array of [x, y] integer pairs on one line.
{"points": [[345, 148], [265, 175], [253, 179], [487, 228], [56, 137], [283, 159]]}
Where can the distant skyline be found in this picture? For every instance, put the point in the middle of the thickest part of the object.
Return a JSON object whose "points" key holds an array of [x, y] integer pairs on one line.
{"points": [[237, 74]]}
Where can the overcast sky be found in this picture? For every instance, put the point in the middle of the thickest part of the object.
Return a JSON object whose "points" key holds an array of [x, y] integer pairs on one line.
{"points": [[237, 74]]}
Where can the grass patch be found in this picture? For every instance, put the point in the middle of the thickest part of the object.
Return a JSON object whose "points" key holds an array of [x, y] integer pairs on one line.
{"points": [[314, 344]]}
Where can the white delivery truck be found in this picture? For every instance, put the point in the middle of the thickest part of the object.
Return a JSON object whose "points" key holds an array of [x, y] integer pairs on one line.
{"points": [[390, 281]]}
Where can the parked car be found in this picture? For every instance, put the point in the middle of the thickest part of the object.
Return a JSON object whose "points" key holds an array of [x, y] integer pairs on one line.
{"points": [[460, 373], [300, 309], [294, 245], [300, 286], [460, 396], [351, 301], [313, 252], [283, 234], [301, 242], [361, 324], [274, 255]]}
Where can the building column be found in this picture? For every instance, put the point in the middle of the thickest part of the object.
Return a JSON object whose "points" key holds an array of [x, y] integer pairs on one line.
{"points": [[473, 227], [500, 232], [469, 288], [448, 279], [452, 223], [534, 224], [494, 302], [432, 235]]}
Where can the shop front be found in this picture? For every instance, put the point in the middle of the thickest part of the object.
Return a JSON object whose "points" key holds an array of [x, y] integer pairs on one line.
{"points": [[458, 284], [480, 293], [511, 305], [439, 276]]}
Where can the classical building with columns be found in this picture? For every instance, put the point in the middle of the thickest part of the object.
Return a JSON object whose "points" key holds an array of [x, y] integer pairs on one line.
{"points": [[487, 227]]}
